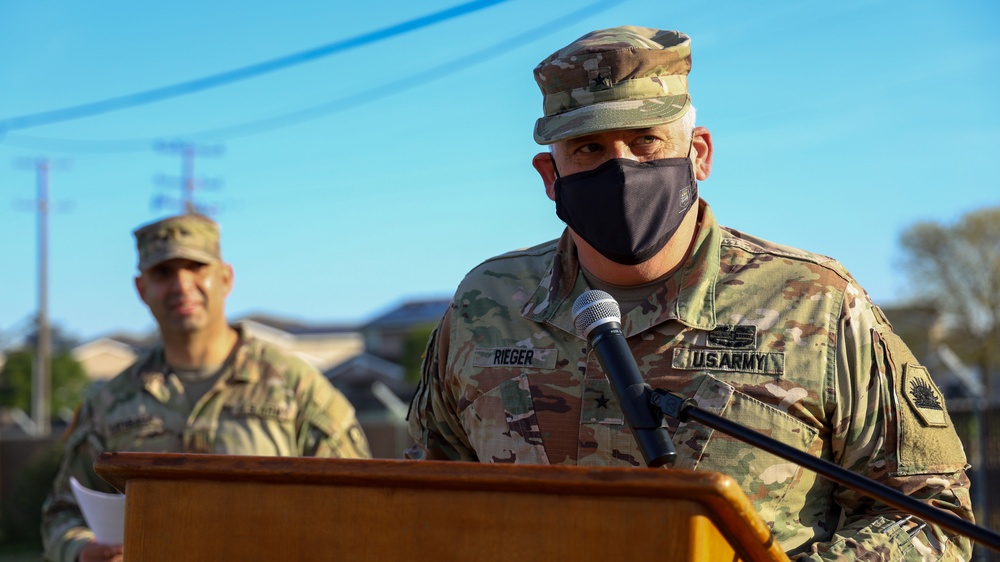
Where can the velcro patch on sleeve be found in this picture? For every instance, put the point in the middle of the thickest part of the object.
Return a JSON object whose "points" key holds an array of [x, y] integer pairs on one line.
{"points": [[925, 438], [923, 396]]}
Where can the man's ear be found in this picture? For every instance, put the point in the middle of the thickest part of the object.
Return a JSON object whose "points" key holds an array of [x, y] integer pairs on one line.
{"points": [[228, 276], [140, 287], [701, 144], [545, 168]]}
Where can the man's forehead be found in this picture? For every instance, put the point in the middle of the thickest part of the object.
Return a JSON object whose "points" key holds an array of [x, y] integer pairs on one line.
{"points": [[669, 132], [177, 263], [659, 130]]}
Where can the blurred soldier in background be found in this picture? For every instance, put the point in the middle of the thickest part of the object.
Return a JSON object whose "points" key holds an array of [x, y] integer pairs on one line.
{"points": [[209, 388]]}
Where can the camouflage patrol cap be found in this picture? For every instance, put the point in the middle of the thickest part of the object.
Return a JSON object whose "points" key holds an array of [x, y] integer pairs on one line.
{"points": [[191, 236], [620, 78]]}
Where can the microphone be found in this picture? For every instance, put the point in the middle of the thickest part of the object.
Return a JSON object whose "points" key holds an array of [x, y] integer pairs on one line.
{"points": [[597, 318]]}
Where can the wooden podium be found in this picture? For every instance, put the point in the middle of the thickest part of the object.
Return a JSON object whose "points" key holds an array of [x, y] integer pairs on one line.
{"points": [[218, 508]]}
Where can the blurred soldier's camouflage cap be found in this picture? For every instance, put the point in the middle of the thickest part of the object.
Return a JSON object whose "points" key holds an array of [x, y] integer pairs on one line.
{"points": [[191, 236], [620, 78]]}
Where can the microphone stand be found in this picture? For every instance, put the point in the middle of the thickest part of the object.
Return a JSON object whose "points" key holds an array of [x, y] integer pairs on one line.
{"points": [[683, 409]]}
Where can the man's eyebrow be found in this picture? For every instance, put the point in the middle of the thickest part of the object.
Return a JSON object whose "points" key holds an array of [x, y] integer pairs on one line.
{"points": [[582, 139], [661, 130]]}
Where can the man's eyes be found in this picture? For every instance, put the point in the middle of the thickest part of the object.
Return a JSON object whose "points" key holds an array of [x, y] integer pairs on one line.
{"points": [[643, 143], [165, 272], [159, 272]]}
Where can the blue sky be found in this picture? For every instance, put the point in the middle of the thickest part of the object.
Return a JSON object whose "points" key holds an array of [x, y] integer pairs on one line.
{"points": [[836, 125]]}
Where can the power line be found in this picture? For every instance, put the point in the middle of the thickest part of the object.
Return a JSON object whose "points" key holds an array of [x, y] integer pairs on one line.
{"points": [[253, 70], [409, 82], [119, 146], [268, 124]]}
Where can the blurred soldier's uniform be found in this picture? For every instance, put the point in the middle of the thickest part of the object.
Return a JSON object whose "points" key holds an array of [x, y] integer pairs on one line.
{"points": [[259, 401]]}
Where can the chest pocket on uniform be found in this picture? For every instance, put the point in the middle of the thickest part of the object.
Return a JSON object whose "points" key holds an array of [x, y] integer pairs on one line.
{"points": [[503, 426], [764, 477], [255, 419], [605, 439]]}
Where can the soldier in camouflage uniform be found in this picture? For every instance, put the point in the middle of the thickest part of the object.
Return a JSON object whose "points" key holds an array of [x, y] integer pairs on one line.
{"points": [[783, 341], [208, 389]]}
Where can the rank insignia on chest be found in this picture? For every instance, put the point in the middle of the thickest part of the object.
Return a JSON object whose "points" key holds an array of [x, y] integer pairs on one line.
{"points": [[520, 357], [923, 396], [733, 336]]}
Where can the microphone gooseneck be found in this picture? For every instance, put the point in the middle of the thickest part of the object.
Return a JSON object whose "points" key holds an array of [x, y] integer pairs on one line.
{"points": [[597, 318]]}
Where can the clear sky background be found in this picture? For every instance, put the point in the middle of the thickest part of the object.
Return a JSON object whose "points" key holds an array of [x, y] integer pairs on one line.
{"points": [[386, 169]]}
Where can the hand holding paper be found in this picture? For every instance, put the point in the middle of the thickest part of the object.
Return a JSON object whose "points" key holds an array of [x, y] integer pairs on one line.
{"points": [[105, 513]]}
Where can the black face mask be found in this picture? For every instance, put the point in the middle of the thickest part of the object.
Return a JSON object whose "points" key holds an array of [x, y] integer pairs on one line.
{"points": [[627, 210]]}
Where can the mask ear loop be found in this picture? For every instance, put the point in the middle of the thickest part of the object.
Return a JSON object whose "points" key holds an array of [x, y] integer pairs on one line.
{"points": [[688, 157], [553, 159]]}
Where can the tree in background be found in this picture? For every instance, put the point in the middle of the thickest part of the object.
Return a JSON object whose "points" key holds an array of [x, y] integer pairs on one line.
{"points": [[958, 266], [69, 381], [413, 351]]}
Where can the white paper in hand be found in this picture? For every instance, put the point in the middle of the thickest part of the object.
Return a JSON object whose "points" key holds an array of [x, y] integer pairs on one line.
{"points": [[105, 513]]}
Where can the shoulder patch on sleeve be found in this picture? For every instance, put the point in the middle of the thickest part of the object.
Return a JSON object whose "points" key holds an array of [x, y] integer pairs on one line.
{"points": [[927, 439], [923, 396], [924, 436]]}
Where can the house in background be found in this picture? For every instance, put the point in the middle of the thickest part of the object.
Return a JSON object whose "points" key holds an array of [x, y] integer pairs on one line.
{"points": [[375, 381], [385, 336], [381, 397], [107, 356], [322, 346]]}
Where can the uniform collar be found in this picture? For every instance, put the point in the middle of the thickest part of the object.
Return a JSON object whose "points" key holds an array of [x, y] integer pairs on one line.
{"points": [[238, 366], [243, 366], [687, 296]]}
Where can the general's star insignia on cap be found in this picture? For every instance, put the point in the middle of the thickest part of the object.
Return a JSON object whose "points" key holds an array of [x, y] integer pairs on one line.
{"points": [[600, 79], [923, 396]]}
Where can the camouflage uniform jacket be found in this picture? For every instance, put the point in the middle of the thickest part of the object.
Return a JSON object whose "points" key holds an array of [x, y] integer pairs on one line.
{"points": [[264, 403], [780, 340]]}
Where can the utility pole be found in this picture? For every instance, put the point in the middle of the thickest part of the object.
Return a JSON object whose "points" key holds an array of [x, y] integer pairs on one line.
{"points": [[41, 382], [187, 180]]}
